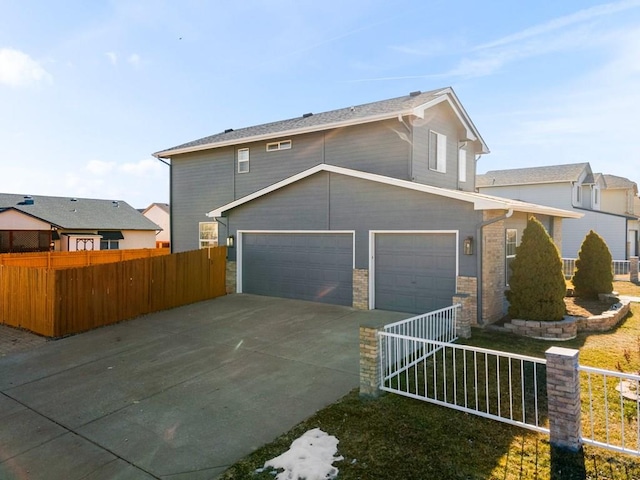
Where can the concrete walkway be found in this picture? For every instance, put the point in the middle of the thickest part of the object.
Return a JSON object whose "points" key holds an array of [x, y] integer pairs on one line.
{"points": [[180, 394]]}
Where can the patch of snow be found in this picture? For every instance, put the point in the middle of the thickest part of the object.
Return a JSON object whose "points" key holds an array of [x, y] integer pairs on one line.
{"points": [[310, 457]]}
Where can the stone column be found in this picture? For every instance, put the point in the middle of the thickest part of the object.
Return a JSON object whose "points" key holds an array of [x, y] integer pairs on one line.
{"points": [[563, 396], [361, 288], [463, 316], [633, 269], [369, 362], [231, 277]]}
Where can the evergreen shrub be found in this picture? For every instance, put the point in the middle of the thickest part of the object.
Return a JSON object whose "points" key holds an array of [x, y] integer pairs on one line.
{"points": [[593, 274]]}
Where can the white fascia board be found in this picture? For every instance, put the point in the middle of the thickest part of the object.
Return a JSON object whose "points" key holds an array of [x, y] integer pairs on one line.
{"points": [[479, 201]]}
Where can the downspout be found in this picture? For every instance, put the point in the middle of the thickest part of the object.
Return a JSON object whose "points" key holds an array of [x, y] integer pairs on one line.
{"points": [[479, 259]]}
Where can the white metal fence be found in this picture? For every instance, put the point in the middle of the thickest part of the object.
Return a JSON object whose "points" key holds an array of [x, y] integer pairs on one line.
{"points": [[498, 385], [619, 267], [610, 416]]}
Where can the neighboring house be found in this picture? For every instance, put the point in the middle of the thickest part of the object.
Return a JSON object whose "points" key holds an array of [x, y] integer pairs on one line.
{"points": [[605, 200], [159, 213], [372, 206], [34, 223]]}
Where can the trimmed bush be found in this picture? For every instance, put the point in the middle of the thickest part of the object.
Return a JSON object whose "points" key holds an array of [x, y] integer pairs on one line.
{"points": [[537, 286], [594, 273]]}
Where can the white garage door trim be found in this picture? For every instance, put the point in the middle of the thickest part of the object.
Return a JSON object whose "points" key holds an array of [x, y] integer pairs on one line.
{"points": [[372, 255], [239, 242]]}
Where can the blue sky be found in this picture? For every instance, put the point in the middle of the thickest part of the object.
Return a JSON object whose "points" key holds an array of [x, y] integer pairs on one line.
{"points": [[88, 90]]}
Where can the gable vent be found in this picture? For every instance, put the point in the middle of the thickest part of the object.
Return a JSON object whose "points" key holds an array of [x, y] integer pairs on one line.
{"points": [[415, 94], [307, 115]]}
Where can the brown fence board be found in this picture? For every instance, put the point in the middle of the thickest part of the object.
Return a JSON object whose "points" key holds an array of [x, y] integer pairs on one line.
{"points": [[77, 259], [58, 302]]}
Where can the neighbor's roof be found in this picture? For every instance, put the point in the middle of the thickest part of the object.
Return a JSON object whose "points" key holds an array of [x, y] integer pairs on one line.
{"points": [[162, 206], [615, 182], [480, 201], [79, 213], [533, 175], [413, 104]]}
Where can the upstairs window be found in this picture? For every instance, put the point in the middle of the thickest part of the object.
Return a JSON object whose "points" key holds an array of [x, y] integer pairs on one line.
{"points": [[208, 234], [243, 160], [275, 146], [437, 152], [577, 194], [462, 165]]}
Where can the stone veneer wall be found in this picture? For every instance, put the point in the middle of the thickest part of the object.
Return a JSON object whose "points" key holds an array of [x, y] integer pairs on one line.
{"points": [[361, 288], [493, 265], [569, 327], [231, 277]]}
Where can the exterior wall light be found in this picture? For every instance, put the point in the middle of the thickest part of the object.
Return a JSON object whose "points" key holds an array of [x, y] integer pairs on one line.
{"points": [[467, 246], [230, 241]]}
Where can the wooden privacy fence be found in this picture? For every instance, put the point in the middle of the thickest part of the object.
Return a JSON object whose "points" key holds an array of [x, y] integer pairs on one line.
{"points": [[59, 302], [77, 259]]}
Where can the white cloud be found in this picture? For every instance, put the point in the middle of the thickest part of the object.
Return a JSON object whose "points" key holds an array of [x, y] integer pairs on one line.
{"points": [[17, 69], [98, 167], [113, 57], [148, 166], [134, 59]]}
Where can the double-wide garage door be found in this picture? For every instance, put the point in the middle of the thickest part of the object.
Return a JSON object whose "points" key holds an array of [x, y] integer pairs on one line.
{"points": [[306, 266], [415, 272]]}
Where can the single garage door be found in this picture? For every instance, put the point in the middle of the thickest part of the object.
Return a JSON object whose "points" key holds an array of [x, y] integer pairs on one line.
{"points": [[306, 266], [415, 272]]}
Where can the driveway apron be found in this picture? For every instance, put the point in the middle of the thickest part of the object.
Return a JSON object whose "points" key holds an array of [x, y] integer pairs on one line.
{"points": [[180, 394]]}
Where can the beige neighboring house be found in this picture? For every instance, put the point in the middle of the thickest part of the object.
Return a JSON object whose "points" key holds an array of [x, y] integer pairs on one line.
{"points": [[36, 223], [160, 214], [621, 196]]}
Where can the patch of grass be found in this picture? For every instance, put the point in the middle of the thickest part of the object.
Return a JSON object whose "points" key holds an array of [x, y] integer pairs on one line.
{"points": [[395, 437]]}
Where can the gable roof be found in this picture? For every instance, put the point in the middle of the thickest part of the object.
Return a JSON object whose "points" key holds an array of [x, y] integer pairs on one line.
{"points": [[78, 213], [413, 104], [616, 182], [480, 201], [162, 206], [523, 176]]}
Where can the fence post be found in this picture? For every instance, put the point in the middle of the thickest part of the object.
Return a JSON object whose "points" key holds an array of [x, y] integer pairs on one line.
{"points": [[563, 396], [633, 269], [369, 362]]}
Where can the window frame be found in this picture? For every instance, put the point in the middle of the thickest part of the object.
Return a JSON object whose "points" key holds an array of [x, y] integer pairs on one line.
{"points": [[211, 238], [281, 145], [462, 165], [242, 161], [437, 150], [507, 255], [109, 244]]}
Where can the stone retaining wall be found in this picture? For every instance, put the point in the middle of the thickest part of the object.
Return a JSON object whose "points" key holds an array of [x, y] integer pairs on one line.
{"points": [[569, 327]]}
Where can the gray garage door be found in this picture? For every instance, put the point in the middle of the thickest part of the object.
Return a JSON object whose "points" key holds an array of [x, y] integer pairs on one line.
{"points": [[307, 266], [414, 273]]}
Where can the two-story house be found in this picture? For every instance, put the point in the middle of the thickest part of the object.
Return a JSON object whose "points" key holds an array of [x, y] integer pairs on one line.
{"points": [[371, 205], [605, 201]]}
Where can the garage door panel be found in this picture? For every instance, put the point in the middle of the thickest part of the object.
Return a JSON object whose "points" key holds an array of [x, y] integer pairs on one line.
{"points": [[414, 273], [306, 266]]}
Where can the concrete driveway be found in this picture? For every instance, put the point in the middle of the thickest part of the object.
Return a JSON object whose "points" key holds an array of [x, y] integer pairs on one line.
{"points": [[180, 394]]}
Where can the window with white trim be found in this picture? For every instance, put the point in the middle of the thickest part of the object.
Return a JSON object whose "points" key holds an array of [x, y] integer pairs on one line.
{"points": [[596, 197], [282, 145], [243, 160], [510, 244], [437, 152], [208, 234], [577, 194], [462, 165]]}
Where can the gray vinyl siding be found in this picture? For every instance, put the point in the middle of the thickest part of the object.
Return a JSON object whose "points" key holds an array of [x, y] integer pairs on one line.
{"points": [[267, 168], [381, 147], [442, 120], [557, 195], [199, 182], [327, 201], [612, 228]]}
